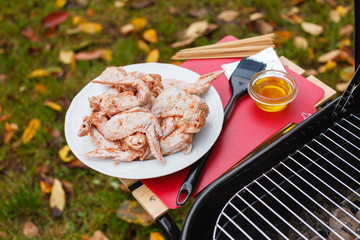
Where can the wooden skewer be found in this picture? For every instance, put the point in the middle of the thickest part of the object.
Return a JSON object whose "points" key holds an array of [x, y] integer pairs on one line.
{"points": [[238, 48], [217, 53], [258, 40]]}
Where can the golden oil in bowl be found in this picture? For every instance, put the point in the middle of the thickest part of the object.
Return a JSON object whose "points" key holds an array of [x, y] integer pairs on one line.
{"points": [[272, 90]]}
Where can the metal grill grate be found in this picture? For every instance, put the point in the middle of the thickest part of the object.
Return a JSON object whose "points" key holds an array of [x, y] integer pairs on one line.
{"points": [[312, 194]]}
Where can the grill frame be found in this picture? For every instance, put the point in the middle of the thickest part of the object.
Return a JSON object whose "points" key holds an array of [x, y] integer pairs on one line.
{"points": [[216, 195]]}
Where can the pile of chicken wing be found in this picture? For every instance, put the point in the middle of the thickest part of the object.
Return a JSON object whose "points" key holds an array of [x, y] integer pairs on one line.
{"points": [[142, 116]]}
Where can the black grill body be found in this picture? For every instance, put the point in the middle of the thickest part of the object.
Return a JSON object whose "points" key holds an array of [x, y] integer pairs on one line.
{"points": [[204, 214]]}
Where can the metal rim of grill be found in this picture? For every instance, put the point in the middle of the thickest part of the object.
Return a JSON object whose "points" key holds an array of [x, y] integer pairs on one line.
{"points": [[297, 198]]}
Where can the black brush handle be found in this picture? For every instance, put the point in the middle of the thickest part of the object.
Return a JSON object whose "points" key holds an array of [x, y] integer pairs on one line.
{"points": [[191, 180]]}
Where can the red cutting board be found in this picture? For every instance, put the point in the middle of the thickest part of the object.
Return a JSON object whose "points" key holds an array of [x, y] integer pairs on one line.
{"points": [[247, 128]]}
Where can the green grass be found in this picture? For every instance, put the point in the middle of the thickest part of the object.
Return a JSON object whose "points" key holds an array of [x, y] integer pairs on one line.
{"points": [[95, 200]]}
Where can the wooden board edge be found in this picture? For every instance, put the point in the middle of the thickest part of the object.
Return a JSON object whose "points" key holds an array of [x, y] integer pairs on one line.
{"points": [[329, 93], [150, 202], [292, 66]]}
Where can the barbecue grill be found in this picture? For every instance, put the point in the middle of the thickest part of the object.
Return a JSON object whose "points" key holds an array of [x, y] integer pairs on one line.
{"points": [[304, 185]]}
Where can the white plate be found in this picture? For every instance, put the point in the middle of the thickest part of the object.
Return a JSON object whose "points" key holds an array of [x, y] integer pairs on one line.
{"points": [[202, 141]]}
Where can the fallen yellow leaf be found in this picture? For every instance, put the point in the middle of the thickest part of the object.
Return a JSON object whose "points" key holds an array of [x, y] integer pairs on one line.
{"points": [[150, 35], [156, 236], [77, 19], [65, 56], [143, 46], [57, 196], [60, 3], [55, 106], [106, 54], [153, 55], [90, 27], [64, 152], [30, 130], [138, 23], [38, 73]]}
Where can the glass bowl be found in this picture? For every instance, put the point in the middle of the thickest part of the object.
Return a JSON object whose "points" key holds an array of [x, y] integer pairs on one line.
{"points": [[272, 90]]}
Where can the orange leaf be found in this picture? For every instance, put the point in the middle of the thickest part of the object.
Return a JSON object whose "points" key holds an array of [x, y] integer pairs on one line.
{"points": [[45, 187], [41, 88], [5, 117], [150, 35], [156, 236], [153, 55], [30, 130], [10, 128], [138, 23], [53, 105]]}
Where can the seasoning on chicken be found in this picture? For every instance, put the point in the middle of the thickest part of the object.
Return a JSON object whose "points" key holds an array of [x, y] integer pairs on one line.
{"points": [[142, 116]]}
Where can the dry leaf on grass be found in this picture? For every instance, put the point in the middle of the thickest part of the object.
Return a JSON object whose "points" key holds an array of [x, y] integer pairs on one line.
{"points": [[10, 129], [30, 230], [227, 16], [127, 28], [54, 18], [156, 236], [66, 56], [90, 27], [331, 55], [60, 3], [30, 130], [341, 87], [264, 27], [196, 29], [98, 235], [132, 212], [138, 23], [347, 73], [53, 105], [143, 46], [45, 187], [255, 16], [153, 56], [150, 35], [38, 73], [334, 16], [346, 30], [64, 154], [57, 199], [41, 88], [301, 42], [312, 28], [30, 34]]}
